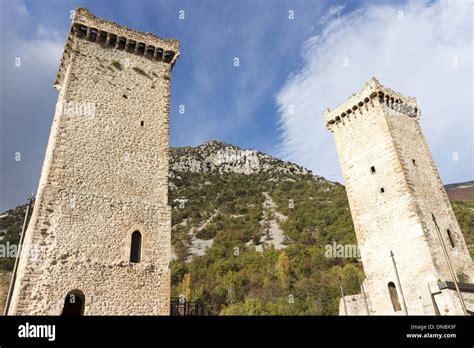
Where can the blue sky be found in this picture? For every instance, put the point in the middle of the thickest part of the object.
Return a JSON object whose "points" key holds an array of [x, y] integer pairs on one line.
{"points": [[305, 54]]}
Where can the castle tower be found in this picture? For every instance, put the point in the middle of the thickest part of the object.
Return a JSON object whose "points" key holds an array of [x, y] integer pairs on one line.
{"points": [[397, 203], [99, 239]]}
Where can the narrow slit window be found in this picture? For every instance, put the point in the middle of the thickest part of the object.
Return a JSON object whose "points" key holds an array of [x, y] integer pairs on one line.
{"points": [[414, 162], [142, 123], [136, 247], [450, 237]]}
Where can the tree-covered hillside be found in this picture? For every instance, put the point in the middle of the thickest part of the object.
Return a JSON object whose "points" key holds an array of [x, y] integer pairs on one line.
{"points": [[244, 271]]}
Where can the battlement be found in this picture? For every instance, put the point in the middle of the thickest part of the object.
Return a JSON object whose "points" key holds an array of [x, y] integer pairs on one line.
{"points": [[360, 102], [109, 34]]}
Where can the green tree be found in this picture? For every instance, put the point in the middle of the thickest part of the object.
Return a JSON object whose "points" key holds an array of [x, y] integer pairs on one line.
{"points": [[283, 270]]}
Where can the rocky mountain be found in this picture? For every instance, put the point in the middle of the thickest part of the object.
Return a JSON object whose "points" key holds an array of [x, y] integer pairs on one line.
{"points": [[218, 157], [220, 163]]}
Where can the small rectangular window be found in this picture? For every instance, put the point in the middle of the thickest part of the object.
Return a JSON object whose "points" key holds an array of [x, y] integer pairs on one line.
{"points": [[372, 169], [382, 190], [142, 123]]}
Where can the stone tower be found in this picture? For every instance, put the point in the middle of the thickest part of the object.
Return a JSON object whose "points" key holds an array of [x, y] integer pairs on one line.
{"points": [[398, 205], [99, 241]]}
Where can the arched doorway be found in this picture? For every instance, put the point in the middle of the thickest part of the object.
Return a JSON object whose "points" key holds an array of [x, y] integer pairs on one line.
{"points": [[74, 303], [394, 297]]}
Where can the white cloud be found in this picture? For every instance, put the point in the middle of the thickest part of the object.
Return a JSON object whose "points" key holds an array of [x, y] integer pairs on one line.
{"points": [[420, 49], [333, 12]]}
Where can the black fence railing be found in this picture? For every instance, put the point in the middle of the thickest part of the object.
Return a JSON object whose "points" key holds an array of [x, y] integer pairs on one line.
{"points": [[181, 307]]}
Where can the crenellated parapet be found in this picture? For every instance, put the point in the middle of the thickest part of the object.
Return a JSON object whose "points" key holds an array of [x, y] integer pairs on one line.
{"points": [[373, 92], [86, 26]]}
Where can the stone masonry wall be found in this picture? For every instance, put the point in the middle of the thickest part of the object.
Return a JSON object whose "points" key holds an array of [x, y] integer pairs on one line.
{"points": [[429, 194], [105, 176]]}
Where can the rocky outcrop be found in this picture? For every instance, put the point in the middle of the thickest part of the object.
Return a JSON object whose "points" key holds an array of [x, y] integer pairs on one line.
{"points": [[217, 157]]}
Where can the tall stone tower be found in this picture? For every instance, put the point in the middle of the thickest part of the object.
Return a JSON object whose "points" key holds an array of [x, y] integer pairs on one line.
{"points": [[405, 226], [98, 242]]}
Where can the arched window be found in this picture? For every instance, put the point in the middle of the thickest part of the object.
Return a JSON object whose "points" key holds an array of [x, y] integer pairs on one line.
{"points": [[74, 303], [136, 247], [394, 297]]}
